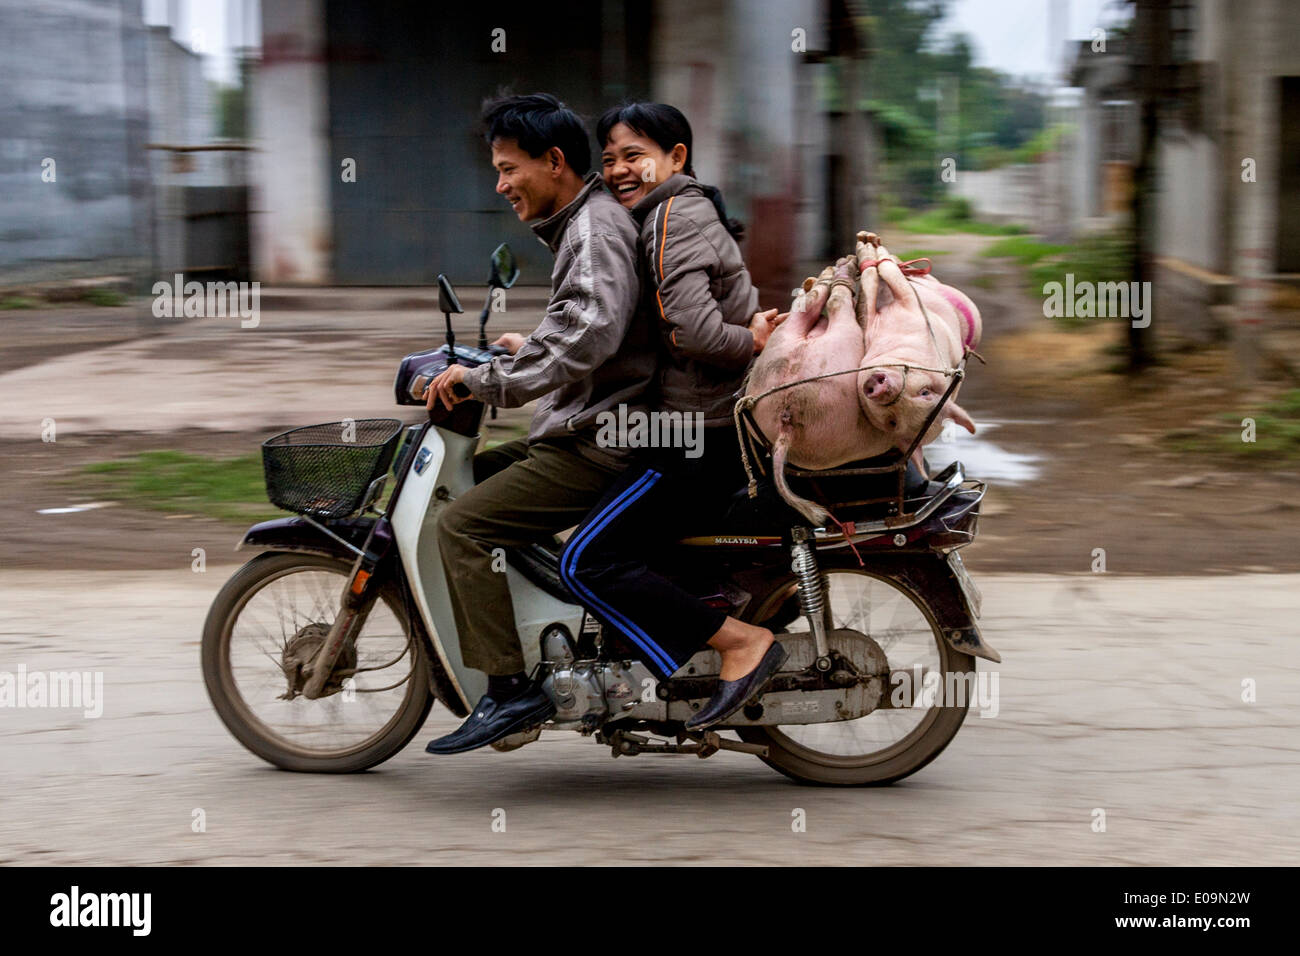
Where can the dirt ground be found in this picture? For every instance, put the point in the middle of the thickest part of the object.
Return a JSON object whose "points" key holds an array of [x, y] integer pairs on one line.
{"points": [[116, 382]]}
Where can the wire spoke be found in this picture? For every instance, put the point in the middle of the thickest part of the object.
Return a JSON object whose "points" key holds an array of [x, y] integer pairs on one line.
{"points": [[295, 609], [888, 615]]}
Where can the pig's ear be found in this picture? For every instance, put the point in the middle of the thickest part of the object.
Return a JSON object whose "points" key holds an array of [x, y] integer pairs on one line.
{"points": [[960, 416]]}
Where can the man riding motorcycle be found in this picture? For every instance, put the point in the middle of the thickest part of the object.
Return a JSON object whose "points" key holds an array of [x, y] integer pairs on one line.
{"points": [[592, 352]]}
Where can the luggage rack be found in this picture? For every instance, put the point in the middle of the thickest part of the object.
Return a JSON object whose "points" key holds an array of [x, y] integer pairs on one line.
{"points": [[953, 477], [955, 485]]}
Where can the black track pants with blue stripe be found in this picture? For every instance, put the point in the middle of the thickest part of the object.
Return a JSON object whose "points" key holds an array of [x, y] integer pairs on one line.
{"points": [[608, 563]]}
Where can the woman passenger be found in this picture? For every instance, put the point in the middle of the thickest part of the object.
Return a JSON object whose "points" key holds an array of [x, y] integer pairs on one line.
{"points": [[697, 287]]}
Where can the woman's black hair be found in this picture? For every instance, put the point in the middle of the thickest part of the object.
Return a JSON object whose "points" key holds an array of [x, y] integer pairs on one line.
{"points": [[667, 127], [538, 121]]}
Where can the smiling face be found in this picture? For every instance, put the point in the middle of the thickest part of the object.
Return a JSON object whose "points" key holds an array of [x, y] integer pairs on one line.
{"points": [[532, 185], [633, 164]]}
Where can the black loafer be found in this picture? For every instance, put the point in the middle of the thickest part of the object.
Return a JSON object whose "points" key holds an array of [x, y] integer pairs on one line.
{"points": [[491, 720], [732, 694]]}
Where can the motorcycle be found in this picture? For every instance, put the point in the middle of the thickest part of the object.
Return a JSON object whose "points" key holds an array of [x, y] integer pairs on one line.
{"points": [[327, 650]]}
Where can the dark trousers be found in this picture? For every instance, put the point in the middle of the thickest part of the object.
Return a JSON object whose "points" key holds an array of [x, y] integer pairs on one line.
{"points": [[607, 561], [524, 493]]}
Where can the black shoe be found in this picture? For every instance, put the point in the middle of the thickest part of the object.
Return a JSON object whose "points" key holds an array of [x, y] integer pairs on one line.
{"points": [[491, 720], [732, 694]]}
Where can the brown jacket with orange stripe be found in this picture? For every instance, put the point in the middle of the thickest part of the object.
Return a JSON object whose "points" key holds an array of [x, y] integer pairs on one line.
{"points": [[700, 294]]}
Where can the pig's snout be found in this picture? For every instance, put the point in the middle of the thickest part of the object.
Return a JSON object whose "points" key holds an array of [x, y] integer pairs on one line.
{"points": [[880, 387]]}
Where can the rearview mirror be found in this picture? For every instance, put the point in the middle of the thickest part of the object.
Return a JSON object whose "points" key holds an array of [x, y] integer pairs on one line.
{"points": [[448, 304], [504, 268]]}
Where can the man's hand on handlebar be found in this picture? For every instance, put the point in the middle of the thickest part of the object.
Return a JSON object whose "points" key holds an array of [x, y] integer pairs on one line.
{"points": [[512, 342], [444, 388]]}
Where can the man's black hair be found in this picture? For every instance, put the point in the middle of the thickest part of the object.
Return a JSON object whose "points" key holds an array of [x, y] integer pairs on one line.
{"points": [[538, 121]]}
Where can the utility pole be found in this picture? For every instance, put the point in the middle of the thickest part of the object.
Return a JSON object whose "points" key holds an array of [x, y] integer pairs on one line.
{"points": [[1151, 65]]}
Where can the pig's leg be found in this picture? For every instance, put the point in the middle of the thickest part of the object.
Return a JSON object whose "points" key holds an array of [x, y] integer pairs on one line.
{"points": [[839, 305], [807, 306], [869, 278], [918, 459], [811, 510], [896, 282], [803, 318]]}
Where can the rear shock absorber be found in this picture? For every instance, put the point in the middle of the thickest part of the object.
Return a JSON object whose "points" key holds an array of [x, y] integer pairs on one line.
{"points": [[812, 593]]}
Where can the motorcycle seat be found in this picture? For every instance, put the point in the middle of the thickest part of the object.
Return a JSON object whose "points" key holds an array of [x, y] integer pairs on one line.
{"points": [[540, 564]]}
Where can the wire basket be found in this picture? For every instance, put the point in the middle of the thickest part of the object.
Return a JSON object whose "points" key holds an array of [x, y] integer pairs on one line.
{"points": [[326, 470]]}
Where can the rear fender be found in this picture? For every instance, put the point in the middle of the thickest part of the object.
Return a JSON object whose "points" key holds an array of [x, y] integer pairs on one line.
{"points": [[931, 579]]}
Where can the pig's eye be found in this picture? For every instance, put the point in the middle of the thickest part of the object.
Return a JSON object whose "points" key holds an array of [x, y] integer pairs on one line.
{"points": [[925, 393], [893, 423]]}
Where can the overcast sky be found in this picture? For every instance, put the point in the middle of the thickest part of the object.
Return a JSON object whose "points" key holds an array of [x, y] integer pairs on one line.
{"points": [[1015, 36], [1009, 35]]}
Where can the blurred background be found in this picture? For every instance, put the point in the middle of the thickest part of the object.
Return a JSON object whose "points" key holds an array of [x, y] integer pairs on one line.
{"points": [[209, 135], [1140, 529]]}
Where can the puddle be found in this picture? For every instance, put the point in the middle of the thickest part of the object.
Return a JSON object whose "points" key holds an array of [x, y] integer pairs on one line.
{"points": [[983, 458], [73, 509]]}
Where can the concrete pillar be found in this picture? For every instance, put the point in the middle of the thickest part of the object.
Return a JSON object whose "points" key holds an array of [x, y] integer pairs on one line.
{"points": [[290, 218]]}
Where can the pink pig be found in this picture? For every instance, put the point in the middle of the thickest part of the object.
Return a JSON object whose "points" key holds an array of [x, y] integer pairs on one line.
{"points": [[893, 310], [816, 424]]}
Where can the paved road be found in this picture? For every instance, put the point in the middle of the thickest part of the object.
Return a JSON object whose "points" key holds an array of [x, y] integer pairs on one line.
{"points": [[1119, 693]]}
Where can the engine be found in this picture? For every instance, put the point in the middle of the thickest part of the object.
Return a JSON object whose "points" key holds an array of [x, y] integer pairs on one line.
{"points": [[588, 691]]}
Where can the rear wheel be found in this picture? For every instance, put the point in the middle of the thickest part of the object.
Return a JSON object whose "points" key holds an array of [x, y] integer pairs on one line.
{"points": [[267, 622], [889, 743]]}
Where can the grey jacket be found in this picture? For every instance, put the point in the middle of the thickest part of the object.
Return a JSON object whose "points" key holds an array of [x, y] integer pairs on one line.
{"points": [[699, 294], [594, 349]]}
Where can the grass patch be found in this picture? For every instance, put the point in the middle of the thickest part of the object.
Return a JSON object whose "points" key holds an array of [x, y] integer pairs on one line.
{"points": [[18, 302], [1276, 434], [1096, 259], [105, 297], [1024, 249], [953, 215], [231, 489], [895, 214], [942, 222]]}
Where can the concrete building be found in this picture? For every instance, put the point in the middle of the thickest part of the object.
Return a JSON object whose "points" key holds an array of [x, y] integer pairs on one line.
{"points": [[200, 186], [1105, 135], [1228, 163], [74, 118], [393, 91], [107, 161]]}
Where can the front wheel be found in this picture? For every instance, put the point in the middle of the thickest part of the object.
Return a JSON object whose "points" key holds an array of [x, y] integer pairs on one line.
{"points": [[267, 622], [890, 743]]}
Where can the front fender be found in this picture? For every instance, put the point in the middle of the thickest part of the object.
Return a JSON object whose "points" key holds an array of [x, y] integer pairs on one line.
{"points": [[295, 534]]}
